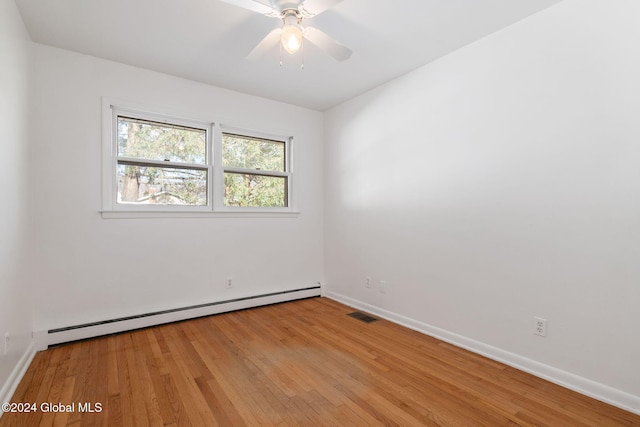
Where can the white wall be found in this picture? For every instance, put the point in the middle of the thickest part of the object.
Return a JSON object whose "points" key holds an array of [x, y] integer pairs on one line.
{"points": [[496, 184], [500, 183], [92, 269], [15, 298]]}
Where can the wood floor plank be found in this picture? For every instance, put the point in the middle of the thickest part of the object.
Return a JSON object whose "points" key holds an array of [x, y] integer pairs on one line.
{"points": [[126, 398], [181, 377], [68, 388], [231, 387], [154, 368], [299, 363]]}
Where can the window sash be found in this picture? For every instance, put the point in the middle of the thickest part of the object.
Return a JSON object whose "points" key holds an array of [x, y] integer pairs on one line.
{"points": [[156, 163], [281, 201], [162, 123], [258, 140], [257, 172], [167, 188]]}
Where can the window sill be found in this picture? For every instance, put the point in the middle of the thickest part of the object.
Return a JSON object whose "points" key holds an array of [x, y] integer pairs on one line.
{"points": [[200, 214]]}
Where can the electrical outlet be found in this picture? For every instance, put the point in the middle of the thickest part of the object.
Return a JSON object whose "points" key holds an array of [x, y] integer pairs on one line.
{"points": [[229, 282], [540, 326], [367, 282]]}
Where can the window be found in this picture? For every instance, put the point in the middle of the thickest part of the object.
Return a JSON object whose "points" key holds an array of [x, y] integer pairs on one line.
{"points": [[255, 172], [156, 163], [161, 163]]}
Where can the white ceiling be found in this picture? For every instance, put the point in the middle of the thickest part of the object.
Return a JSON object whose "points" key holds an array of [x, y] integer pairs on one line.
{"points": [[207, 40]]}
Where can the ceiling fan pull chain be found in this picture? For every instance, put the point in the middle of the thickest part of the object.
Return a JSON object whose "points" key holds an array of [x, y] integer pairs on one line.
{"points": [[302, 53]]}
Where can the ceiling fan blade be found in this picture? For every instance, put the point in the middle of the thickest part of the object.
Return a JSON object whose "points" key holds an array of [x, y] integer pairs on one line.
{"points": [[254, 6], [265, 45], [309, 8], [326, 43]]}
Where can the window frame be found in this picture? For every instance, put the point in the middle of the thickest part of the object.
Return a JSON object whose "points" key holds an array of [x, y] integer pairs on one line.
{"points": [[287, 140], [160, 119], [214, 167]]}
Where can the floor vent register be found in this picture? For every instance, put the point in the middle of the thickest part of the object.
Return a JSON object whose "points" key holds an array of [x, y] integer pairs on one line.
{"points": [[362, 317]]}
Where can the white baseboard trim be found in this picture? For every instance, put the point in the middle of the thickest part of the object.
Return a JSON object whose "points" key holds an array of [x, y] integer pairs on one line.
{"points": [[582, 385], [46, 338], [10, 386]]}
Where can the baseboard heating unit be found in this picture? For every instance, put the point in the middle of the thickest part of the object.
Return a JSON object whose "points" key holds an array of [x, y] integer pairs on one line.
{"points": [[51, 337]]}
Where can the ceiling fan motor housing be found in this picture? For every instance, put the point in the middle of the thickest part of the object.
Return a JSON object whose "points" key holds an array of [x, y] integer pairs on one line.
{"points": [[283, 5], [291, 17]]}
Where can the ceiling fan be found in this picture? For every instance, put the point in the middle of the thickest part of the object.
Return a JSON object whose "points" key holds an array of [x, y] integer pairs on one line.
{"points": [[292, 34]]}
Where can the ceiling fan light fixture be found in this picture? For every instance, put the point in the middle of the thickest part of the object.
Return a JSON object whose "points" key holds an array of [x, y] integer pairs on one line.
{"points": [[291, 36]]}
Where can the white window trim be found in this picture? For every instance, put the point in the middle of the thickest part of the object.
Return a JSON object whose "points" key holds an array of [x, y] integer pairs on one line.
{"points": [[215, 172]]}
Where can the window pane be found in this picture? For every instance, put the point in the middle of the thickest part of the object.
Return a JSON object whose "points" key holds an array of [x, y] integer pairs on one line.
{"points": [[159, 141], [161, 186], [254, 190], [252, 153]]}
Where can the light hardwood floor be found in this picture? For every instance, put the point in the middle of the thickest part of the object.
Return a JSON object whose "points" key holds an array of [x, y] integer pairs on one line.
{"points": [[298, 363]]}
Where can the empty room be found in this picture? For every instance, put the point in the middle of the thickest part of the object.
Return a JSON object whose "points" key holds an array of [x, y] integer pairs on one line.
{"points": [[320, 212]]}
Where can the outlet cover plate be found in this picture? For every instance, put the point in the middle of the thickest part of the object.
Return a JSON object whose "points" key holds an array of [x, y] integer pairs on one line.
{"points": [[540, 326]]}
